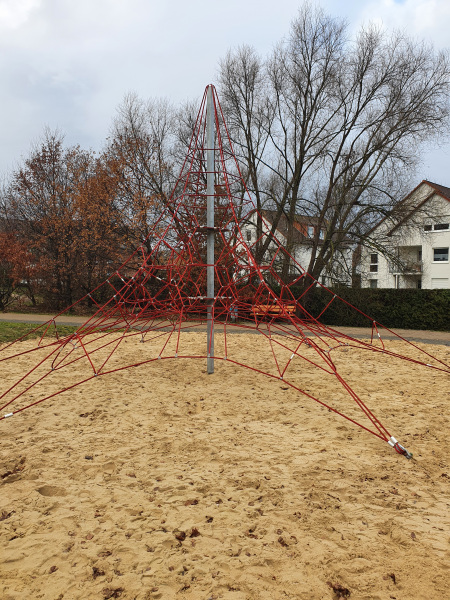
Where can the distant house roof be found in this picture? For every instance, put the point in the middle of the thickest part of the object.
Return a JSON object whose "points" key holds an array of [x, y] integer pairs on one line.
{"points": [[301, 224], [441, 190]]}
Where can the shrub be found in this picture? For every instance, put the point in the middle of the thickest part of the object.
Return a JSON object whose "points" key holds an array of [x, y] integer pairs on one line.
{"points": [[405, 308]]}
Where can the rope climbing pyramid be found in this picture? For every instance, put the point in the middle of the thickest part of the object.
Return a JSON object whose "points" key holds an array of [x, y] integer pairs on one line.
{"points": [[210, 264]]}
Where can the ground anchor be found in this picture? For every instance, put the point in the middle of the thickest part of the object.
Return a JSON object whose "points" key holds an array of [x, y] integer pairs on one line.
{"points": [[399, 448]]}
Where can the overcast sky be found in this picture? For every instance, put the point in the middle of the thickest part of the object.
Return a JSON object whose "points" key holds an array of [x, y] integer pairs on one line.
{"points": [[67, 64]]}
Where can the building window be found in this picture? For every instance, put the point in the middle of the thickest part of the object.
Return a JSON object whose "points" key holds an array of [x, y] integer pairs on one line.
{"points": [[321, 234], [310, 231], [440, 254], [419, 284], [249, 235], [437, 227], [373, 263], [374, 283]]}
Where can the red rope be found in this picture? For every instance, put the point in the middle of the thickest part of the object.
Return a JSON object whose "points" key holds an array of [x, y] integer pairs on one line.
{"points": [[165, 295]]}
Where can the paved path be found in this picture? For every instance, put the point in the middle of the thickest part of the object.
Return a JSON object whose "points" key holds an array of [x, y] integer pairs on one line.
{"points": [[35, 318], [413, 335]]}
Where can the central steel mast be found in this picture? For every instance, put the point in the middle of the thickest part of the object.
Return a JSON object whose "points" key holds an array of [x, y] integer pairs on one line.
{"points": [[210, 135]]}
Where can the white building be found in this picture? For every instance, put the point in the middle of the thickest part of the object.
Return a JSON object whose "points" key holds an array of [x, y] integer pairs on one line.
{"points": [[305, 229], [416, 245]]}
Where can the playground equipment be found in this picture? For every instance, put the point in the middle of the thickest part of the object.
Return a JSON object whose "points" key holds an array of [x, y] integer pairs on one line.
{"points": [[202, 271]]}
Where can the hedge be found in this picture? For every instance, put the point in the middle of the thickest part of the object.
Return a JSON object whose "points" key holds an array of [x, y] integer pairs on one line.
{"points": [[404, 308]]}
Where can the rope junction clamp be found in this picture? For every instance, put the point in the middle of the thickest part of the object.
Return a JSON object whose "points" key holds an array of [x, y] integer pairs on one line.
{"points": [[399, 448], [8, 415]]}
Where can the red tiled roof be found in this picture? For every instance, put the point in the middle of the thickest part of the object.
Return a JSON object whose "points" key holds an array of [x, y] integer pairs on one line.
{"points": [[301, 223], [440, 189]]}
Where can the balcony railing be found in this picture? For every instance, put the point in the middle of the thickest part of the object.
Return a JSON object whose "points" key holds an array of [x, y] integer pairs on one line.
{"points": [[406, 268]]}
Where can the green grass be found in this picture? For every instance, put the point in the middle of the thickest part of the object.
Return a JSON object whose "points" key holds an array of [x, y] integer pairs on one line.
{"points": [[12, 331]]}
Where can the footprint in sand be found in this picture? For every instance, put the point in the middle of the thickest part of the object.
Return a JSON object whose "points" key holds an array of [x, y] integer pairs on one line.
{"points": [[51, 490], [109, 467]]}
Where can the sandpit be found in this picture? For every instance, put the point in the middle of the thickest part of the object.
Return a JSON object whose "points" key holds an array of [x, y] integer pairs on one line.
{"points": [[163, 482]]}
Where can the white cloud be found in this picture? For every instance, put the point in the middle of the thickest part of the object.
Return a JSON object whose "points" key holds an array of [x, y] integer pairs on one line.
{"points": [[14, 13], [424, 19], [68, 64]]}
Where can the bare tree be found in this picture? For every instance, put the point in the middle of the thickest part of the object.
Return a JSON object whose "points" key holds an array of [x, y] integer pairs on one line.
{"points": [[244, 82], [344, 121], [141, 152]]}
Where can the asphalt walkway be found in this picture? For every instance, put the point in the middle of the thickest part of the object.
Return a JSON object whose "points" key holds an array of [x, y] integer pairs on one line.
{"points": [[412, 335]]}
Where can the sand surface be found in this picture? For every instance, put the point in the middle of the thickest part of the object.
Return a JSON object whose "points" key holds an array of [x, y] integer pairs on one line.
{"points": [[163, 482]]}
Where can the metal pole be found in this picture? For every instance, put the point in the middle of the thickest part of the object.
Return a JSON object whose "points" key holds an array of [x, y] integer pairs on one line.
{"points": [[210, 228]]}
